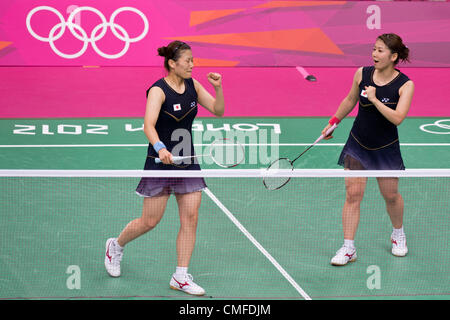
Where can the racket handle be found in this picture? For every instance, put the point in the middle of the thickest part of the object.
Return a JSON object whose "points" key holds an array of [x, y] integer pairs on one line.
{"points": [[174, 159], [330, 130]]}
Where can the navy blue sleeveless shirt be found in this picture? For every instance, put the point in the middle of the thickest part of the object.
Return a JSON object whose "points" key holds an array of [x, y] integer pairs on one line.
{"points": [[174, 126], [371, 129]]}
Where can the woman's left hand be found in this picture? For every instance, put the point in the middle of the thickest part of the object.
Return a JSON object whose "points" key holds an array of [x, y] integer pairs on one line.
{"points": [[215, 79], [371, 93]]}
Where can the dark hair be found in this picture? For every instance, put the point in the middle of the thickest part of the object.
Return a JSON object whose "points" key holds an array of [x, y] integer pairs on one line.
{"points": [[172, 51], [396, 45]]}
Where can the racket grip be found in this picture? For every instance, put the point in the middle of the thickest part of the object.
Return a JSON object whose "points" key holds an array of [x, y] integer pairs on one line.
{"points": [[330, 130], [174, 159]]}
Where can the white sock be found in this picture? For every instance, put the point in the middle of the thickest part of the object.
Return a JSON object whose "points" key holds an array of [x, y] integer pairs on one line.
{"points": [[116, 243], [398, 232], [181, 271], [349, 243]]}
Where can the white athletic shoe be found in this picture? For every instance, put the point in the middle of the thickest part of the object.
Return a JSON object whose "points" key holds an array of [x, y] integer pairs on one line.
{"points": [[343, 256], [113, 256], [399, 247], [185, 283]]}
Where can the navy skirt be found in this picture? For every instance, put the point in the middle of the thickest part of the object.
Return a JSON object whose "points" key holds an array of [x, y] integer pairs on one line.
{"points": [[354, 156], [151, 187]]}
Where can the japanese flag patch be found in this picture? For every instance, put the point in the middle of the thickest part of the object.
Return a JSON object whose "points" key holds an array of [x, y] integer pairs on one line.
{"points": [[176, 107]]}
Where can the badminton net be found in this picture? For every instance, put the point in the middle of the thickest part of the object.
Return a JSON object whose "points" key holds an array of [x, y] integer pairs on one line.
{"points": [[251, 243]]}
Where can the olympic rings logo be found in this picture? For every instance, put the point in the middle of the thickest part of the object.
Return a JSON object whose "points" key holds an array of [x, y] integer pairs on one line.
{"points": [[52, 37], [437, 124]]}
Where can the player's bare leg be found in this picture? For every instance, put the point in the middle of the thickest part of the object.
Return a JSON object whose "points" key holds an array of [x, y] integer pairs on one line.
{"points": [[354, 193], [188, 206], [394, 206]]}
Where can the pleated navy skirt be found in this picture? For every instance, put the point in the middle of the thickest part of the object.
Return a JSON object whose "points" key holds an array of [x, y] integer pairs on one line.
{"points": [[151, 187], [355, 156]]}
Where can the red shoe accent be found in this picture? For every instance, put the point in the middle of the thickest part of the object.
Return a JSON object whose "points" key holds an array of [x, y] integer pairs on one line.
{"points": [[350, 256], [181, 284], [107, 252]]}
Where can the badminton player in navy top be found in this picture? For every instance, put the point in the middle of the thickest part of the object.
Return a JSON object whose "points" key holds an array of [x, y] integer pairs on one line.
{"points": [[170, 110], [384, 94]]}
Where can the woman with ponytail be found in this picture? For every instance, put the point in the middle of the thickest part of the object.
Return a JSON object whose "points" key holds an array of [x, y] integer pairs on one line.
{"points": [[384, 94]]}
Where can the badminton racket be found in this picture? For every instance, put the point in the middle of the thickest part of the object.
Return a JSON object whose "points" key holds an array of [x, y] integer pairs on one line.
{"points": [[224, 152], [277, 173]]}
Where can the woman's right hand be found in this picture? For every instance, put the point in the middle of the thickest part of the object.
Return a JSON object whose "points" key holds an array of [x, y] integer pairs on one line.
{"points": [[324, 132], [165, 156]]}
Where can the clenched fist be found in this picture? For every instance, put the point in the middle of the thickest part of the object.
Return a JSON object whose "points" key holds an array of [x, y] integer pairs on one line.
{"points": [[215, 79]]}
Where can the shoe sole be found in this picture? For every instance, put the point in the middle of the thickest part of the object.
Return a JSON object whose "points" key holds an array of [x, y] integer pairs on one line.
{"points": [[194, 294], [400, 255], [340, 265]]}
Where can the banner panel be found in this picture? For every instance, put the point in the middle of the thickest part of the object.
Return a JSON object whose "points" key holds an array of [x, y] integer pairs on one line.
{"points": [[221, 33]]}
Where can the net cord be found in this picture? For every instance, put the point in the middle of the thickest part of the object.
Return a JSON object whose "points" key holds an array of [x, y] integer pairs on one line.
{"points": [[228, 173]]}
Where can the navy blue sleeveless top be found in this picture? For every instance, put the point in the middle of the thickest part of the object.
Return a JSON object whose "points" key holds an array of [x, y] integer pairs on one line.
{"points": [[371, 129], [174, 126]]}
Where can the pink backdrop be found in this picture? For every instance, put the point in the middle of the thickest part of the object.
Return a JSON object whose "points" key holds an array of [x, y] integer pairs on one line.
{"points": [[72, 92], [222, 33]]}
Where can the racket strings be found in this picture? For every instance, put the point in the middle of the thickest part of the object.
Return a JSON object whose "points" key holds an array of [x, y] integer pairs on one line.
{"points": [[273, 179], [273, 182], [227, 153]]}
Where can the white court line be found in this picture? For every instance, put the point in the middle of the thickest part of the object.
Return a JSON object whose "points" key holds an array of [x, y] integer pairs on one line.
{"points": [[257, 244], [203, 145]]}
